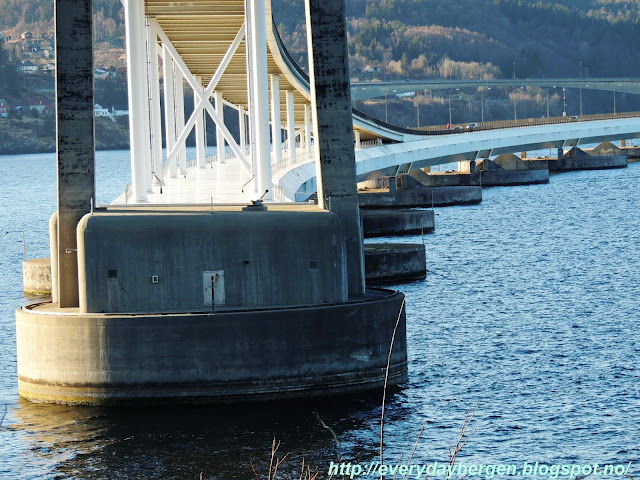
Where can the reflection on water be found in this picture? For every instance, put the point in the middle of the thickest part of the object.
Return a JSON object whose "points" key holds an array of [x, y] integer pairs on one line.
{"points": [[181, 442]]}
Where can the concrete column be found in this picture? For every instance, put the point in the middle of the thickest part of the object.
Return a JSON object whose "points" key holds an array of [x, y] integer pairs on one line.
{"points": [[276, 121], [307, 128], [259, 95], [560, 154], [393, 184], [75, 135], [156, 120], [169, 106], [181, 160], [357, 135], [137, 97], [291, 126], [333, 127], [200, 137], [623, 143], [220, 150]]}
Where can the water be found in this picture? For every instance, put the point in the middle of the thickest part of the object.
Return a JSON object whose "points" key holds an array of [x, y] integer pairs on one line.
{"points": [[529, 315]]}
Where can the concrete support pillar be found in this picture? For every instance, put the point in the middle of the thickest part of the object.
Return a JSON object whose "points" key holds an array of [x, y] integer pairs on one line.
{"points": [[333, 127], [75, 135], [137, 98], [523, 155], [560, 154], [623, 143], [276, 121], [472, 167], [291, 126], [393, 184], [259, 92], [154, 90], [169, 105], [357, 135], [220, 150], [307, 128], [181, 160], [201, 156]]}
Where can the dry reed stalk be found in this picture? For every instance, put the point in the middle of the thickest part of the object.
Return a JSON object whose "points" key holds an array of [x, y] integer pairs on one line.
{"points": [[386, 379]]}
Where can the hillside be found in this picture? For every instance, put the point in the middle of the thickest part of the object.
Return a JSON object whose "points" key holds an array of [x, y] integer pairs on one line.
{"points": [[387, 39], [543, 38]]}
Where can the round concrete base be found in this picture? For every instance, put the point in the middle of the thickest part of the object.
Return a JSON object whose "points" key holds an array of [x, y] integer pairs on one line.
{"points": [[36, 276], [65, 357], [378, 222], [394, 262]]}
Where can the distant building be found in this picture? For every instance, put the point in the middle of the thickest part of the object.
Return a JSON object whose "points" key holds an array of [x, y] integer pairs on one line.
{"points": [[48, 68], [4, 108], [100, 111], [26, 35], [119, 110], [41, 106], [28, 67], [372, 68]]}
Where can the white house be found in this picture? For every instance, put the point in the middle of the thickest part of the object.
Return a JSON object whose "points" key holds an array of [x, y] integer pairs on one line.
{"points": [[28, 67], [100, 111]]}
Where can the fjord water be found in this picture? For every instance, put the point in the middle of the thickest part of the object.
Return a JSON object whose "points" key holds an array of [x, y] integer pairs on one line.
{"points": [[530, 315]]}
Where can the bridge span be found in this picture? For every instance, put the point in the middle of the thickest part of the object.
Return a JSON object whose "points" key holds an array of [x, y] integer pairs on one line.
{"points": [[232, 58]]}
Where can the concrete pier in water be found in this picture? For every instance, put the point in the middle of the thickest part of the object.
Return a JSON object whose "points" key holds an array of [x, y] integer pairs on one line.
{"points": [[208, 303], [379, 222]]}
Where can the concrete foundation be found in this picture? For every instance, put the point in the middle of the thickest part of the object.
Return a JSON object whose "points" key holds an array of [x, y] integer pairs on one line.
{"points": [[185, 304], [94, 359], [632, 153], [376, 223], [577, 159], [420, 197], [36, 276], [393, 262], [418, 178], [509, 170], [181, 260]]}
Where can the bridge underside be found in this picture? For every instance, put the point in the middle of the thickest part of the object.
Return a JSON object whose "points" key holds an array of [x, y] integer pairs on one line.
{"points": [[229, 54]]}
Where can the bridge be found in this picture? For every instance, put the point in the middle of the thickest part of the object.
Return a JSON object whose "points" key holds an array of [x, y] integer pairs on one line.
{"points": [[231, 56], [374, 89]]}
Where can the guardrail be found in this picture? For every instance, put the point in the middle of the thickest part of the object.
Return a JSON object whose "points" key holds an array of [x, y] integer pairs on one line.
{"points": [[526, 122]]}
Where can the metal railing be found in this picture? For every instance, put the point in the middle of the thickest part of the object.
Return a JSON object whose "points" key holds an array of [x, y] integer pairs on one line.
{"points": [[526, 122]]}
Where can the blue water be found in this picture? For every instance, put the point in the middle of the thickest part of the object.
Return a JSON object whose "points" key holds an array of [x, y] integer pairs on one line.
{"points": [[529, 316]]}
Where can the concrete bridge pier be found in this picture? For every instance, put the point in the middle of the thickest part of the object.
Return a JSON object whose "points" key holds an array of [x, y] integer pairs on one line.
{"points": [[75, 135], [331, 110], [194, 305]]}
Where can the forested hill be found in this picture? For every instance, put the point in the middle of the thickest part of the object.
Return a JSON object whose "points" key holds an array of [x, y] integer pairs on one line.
{"points": [[420, 38]]}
